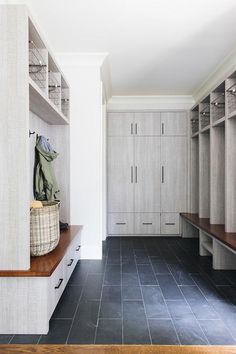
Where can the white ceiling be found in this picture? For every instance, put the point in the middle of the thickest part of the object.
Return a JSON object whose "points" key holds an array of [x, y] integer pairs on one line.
{"points": [[155, 46]]}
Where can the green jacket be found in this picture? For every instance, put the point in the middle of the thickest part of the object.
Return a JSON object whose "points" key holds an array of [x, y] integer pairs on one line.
{"points": [[45, 185]]}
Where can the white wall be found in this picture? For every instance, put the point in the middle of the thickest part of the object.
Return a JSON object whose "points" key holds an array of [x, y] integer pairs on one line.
{"points": [[86, 151]]}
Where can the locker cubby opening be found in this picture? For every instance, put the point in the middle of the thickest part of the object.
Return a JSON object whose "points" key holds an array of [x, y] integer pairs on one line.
{"points": [[195, 120], [230, 176], [204, 175], [194, 199], [231, 95], [54, 83], [38, 59], [218, 103], [204, 110], [65, 98], [217, 175]]}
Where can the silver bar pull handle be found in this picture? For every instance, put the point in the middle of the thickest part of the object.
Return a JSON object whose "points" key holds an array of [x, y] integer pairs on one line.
{"points": [[132, 129], [70, 263], [162, 174], [162, 128], [147, 223], [132, 174], [170, 223], [77, 249], [136, 174], [136, 128], [120, 223]]}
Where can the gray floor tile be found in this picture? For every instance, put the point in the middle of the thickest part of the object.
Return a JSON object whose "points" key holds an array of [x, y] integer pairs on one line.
{"points": [[178, 308], [68, 303], [109, 331], [154, 302], [25, 339], [131, 293], [58, 332], [189, 331], [146, 275], [216, 332], [163, 332], [169, 287]]}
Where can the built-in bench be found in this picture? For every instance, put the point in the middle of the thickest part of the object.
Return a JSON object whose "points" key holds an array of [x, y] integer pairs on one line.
{"points": [[213, 240]]}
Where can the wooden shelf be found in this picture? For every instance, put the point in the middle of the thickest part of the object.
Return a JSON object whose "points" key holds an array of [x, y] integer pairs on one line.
{"points": [[43, 107], [195, 135], [205, 129], [219, 122], [232, 115], [43, 266], [215, 230]]}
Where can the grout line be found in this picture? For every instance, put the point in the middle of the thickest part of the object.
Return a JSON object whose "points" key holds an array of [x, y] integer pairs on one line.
{"points": [[144, 305], [170, 317], [100, 301], [77, 306]]}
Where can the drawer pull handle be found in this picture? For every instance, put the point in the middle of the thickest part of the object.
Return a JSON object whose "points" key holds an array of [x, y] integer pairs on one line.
{"points": [[71, 262], [59, 284], [170, 223], [120, 223], [77, 249], [147, 223]]}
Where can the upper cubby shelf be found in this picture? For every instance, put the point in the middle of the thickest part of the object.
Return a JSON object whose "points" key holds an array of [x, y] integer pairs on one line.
{"points": [[218, 103], [48, 89], [195, 120], [231, 95], [204, 111]]}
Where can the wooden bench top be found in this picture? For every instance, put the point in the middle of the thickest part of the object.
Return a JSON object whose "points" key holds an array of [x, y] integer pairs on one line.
{"points": [[43, 266], [215, 230]]}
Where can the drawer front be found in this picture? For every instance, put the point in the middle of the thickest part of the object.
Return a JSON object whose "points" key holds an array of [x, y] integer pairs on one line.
{"points": [[147, 223], [120, 223], [170, 223], [56, 285], [71, 259]]}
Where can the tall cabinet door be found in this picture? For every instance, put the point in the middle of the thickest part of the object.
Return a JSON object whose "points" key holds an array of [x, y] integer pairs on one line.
{"points": [[174, 123], [147, 174], [120, 174], [174, 174], [120, 124], [147, 124]]}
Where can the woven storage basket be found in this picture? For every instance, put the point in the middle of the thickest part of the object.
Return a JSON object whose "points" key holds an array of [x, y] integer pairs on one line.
{"points": [[44, 228]]}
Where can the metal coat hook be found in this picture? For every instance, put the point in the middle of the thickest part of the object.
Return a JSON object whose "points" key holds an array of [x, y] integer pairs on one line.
{"points": [[31, 133]]}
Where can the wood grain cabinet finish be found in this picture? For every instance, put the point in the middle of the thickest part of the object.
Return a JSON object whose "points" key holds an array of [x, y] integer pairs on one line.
{"points": [[28, 302], [120, 174], [147, 171], [121, 223], [147, 223], [147, 174], [174, 123], [120, 124], [170, 223], [147, 124], [174, 174]]}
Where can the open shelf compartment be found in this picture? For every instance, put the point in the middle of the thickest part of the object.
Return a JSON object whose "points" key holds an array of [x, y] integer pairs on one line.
{"points": [[231, 95], [54, 83], [204, 111], [38, 59], [65, 98], [195, 120], [218, 103]]}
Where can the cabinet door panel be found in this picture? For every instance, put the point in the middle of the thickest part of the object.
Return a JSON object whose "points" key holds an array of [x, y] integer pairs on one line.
{"points": [[147, 174], [147, 223], [174, 123], [147, 124], [120, 174], [120, 124], [174, 174]]}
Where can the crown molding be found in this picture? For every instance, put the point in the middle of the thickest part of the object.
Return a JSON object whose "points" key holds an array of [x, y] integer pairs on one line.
{"points": [[220, 73], [150, 102]]}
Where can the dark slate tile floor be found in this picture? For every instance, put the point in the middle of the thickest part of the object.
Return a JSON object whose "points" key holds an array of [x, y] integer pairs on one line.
{"points": [[144, 291]]}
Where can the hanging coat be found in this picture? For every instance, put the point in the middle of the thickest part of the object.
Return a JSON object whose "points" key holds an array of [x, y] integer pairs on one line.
{"points": [[45, 185]]}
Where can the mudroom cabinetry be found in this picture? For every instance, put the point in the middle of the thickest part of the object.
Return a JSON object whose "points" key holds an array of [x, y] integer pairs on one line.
{"points": [[147, 172]]}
